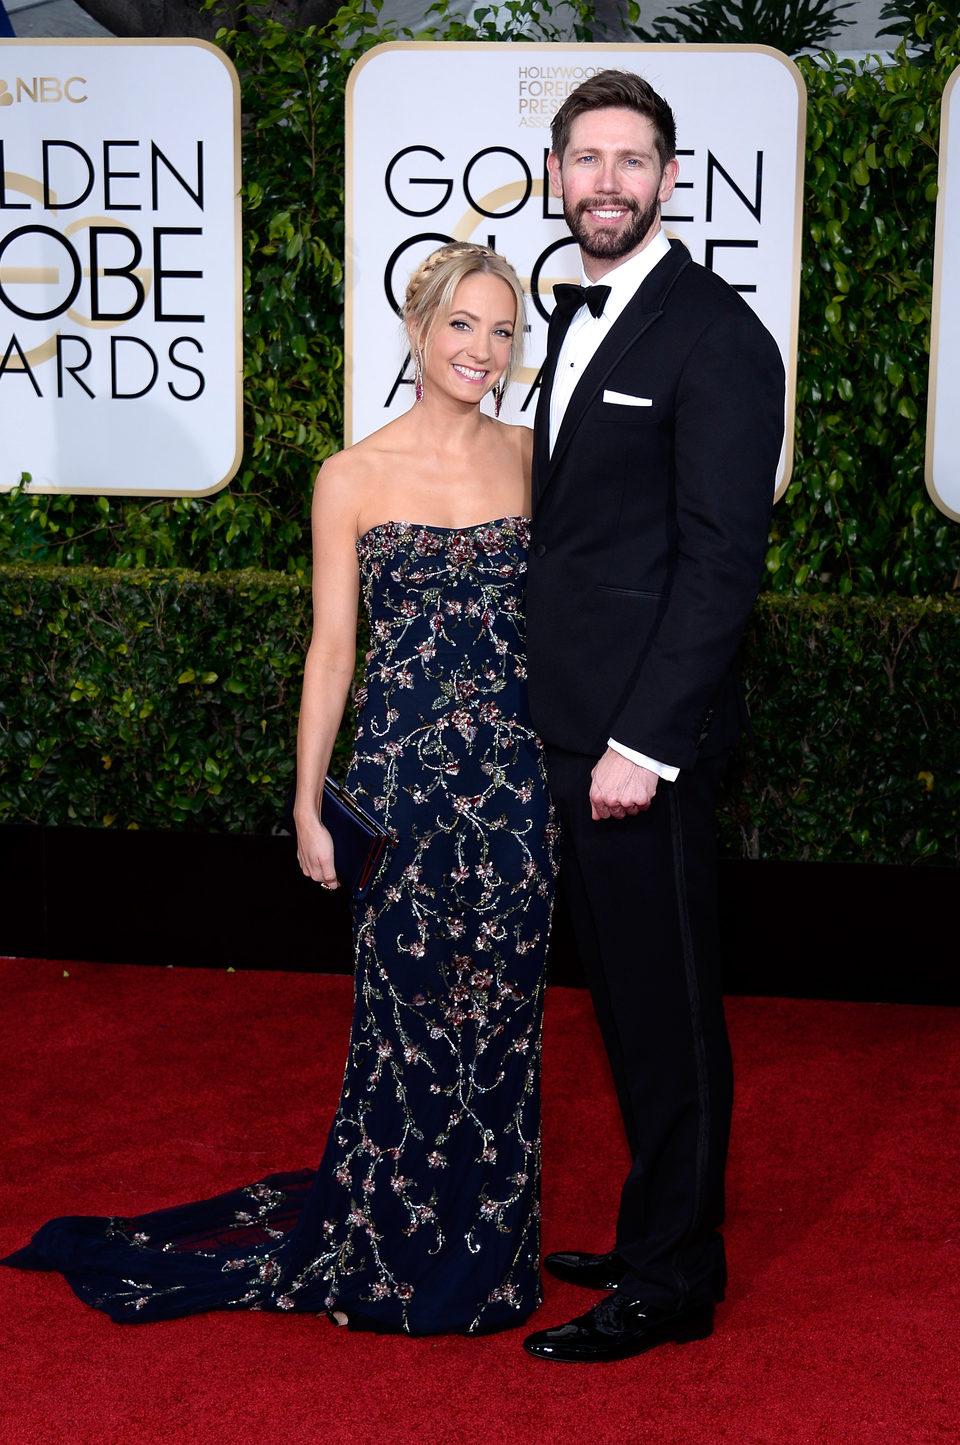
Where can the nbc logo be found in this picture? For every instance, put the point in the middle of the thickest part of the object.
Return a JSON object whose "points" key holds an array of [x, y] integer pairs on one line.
{"points": [[43, 90]]}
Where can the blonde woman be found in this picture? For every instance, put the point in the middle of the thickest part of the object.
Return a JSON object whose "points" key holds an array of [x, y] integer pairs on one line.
{"points": [[423, 1215]]}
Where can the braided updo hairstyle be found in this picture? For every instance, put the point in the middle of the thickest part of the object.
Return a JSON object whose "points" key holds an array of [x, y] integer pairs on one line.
{"points": [[431, 288]]}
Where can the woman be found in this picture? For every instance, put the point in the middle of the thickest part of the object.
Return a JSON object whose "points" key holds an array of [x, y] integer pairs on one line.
{"points": [[423, 1214]]}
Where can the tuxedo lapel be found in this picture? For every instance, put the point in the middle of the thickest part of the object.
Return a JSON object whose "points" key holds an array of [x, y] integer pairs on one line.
{"points": [[642, 311], [556, 330]]}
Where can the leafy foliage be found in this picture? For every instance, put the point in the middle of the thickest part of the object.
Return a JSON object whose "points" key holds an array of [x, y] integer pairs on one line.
{"points": [[175, 697], [135, 698], [167, 710], [788, 25], [856, 717], [857, 517], [513, 20], [920, 23]]}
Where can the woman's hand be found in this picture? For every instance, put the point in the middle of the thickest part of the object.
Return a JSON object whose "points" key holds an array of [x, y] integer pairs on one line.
{"points": [[315, 852]]}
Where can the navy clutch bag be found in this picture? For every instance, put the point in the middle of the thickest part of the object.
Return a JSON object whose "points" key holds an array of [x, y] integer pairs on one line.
{"points": [[359, 840]]}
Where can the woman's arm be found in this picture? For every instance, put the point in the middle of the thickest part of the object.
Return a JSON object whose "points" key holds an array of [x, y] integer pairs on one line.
{"points": [[331, 657]]}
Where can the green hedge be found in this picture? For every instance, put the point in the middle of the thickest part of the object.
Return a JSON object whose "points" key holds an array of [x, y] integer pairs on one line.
{"points": [[857, 717], [149, 699], [169, 699]]}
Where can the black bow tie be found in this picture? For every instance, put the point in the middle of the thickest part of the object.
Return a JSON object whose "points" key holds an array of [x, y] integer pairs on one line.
{"points": [[570, 298]]}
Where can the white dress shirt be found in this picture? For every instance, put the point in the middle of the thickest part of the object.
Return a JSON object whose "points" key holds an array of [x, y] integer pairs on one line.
{"points": [[583, 337], [585, 332]]}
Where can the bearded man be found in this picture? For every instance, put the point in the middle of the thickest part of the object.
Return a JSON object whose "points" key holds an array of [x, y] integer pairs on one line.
{"points": [[658, 433]]}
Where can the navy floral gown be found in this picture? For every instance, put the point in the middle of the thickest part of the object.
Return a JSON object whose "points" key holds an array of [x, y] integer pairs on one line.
{"points": [[424, 1213]]}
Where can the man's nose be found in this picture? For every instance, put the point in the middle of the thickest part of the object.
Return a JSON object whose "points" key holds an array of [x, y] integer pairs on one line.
{"points": [[607, 177]]}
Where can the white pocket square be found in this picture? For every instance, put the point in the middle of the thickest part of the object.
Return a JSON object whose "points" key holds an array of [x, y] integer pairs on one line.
{"points": [[620, 398]]}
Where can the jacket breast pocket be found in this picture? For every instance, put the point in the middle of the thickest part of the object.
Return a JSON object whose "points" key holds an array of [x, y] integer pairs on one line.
{"points": [[636, 401], [628, 592], [643, 412]]}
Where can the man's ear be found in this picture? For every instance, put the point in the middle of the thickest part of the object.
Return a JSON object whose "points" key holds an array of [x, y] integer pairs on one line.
{"points": [[553, 169], [668, 180]]}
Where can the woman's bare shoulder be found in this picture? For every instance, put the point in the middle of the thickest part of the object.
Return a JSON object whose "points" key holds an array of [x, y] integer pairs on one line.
{"points": [[359, 465], [521, 439]]}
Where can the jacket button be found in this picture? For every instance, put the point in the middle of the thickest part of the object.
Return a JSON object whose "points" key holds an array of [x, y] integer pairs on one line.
{"points": [[540, 550]]}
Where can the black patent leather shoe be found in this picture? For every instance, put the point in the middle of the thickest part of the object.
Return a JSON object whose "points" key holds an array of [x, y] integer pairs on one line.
{"points": [[618, 1328], [593, 1271]]}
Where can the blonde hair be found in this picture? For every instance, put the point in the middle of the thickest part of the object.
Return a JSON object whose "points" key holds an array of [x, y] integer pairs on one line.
{"points": [[431, 289]]}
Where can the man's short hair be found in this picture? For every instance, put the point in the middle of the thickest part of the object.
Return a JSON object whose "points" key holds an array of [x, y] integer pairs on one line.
{"points": [[623, 90]]}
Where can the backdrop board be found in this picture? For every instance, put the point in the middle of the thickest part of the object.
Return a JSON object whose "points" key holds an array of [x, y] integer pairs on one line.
{"points": [[120, 267], [943, 396], [448, 141]]}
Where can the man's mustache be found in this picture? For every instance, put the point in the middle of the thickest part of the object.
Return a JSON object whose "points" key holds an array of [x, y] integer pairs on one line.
{"points": [[608, 203]]}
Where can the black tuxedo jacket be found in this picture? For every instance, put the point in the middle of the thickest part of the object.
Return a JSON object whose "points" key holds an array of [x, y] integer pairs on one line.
{"points": [[650, 521]]}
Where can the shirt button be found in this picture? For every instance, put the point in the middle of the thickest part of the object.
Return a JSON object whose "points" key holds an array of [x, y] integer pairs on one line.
{"points": [[540, 550]]}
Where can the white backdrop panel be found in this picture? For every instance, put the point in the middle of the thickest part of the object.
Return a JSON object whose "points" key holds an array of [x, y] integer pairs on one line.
{"points": [[448, 141], [943, 407], [120, 267]]}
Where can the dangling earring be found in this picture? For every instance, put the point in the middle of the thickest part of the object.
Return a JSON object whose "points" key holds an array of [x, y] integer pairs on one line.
{"points": [[498, 391], [418, 375]]}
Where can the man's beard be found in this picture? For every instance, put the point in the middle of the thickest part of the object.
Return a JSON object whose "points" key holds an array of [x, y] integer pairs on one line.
{"points": [[606, 243]]}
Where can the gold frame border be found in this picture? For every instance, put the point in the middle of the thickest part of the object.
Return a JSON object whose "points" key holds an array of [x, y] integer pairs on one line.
{"points": [[51, 489], [525, 46]]}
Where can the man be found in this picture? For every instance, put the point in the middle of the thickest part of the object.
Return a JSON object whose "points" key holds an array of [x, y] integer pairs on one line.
{"points": [[658, 433]]}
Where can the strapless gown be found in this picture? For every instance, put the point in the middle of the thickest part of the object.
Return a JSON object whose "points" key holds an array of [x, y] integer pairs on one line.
{"points": [[423, 1215]]}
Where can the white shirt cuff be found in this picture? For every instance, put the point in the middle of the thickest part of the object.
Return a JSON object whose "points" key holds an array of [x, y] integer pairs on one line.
{"points": [[666, 771]]}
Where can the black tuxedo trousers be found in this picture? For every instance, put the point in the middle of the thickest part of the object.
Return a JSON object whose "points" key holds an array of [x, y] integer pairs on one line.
{"points": [[653, 969]]}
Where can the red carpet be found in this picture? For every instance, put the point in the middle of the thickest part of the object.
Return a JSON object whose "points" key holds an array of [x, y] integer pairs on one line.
{"points": [[129, 1088]]}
